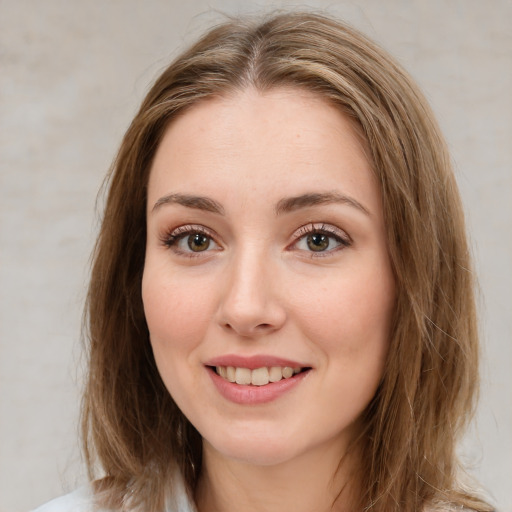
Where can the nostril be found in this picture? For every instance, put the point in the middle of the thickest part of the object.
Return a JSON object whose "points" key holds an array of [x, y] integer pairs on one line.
{"points": [[264, 327], [257, 329]]}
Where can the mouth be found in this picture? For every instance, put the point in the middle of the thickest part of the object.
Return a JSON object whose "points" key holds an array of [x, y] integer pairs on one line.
{"points": [[258, 376]]}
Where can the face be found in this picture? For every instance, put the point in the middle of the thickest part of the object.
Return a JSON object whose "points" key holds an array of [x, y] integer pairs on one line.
{"points": [[267, 285]]}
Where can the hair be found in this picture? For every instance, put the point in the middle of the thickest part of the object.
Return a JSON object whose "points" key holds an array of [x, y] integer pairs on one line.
{"points": [[130, 423]]}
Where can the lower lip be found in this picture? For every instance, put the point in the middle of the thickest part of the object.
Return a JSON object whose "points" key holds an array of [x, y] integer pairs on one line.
{"points": [[253, 395]]}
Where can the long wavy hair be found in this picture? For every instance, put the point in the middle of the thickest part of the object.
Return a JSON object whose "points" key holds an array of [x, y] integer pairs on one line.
{"points": [[132, 429]]}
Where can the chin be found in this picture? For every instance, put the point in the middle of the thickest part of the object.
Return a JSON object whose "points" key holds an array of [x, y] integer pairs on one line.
{"points": [[257, 455], [254, 448]]}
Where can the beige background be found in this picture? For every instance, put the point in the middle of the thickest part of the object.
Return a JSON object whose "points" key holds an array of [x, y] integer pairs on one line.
{"points": [[71, 75]]}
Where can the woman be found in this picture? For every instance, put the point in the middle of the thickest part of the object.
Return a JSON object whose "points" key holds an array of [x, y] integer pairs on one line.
{"points": [[281, 310]]}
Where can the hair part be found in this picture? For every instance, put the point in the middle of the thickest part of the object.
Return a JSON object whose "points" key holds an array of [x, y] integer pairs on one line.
{"points": [[130, 423]]}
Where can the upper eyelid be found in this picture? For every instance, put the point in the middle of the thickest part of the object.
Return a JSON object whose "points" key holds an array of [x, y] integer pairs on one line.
{"points": [[312, 227], [184, 230], [190, 228]]}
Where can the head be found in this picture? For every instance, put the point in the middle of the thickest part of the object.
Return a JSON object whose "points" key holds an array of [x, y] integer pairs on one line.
{"points": [[427, 384]]}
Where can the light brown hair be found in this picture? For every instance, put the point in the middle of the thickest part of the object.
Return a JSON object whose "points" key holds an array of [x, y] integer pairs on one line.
{"points": [[131, 425]]}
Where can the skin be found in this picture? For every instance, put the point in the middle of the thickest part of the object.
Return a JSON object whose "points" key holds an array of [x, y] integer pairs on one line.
{"points": [[258, 288]]}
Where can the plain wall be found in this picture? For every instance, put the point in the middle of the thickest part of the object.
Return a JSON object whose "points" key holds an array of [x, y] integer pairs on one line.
{"points": [[71, 76]]}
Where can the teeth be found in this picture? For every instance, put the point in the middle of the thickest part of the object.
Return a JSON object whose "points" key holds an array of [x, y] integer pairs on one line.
{"points": [[275, 374], [287, 372], [230, 374], [243, 376], [259, 376]]}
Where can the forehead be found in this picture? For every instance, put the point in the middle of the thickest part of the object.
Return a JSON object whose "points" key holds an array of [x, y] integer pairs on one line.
{"points": [[284, 141]]}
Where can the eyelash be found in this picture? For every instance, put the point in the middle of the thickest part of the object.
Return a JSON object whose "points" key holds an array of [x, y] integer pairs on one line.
{"points": [[172, 238], [331, 232]]}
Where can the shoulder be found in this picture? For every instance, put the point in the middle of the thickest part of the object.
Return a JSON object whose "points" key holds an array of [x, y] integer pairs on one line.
{"points": [[81, 500]]}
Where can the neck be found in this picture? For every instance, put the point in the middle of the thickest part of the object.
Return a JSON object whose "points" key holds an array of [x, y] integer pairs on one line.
{"points": [[315, 482]]}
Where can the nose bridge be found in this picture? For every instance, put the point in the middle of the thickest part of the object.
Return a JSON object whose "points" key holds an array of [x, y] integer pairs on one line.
{"points": [[250, 305]]}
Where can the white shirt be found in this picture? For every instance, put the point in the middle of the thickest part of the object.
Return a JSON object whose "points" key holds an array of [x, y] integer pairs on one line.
{"points": [[82, 500]]}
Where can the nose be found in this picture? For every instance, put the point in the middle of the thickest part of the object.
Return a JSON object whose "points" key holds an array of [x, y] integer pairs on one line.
{"points": [[250, 305]]}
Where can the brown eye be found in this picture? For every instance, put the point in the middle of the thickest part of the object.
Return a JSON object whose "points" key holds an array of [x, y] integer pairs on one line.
{"points": [[318, 242], [198, 242], [319, 239], [190, 241]]}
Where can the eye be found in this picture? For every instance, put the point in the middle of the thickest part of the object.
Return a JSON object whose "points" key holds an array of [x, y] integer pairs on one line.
{"points": [[321, 238], [190, 240], [197, 242]]}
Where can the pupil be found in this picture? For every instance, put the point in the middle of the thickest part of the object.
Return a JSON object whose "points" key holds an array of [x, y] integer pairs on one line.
{"points": [[198, 242], [318, 242]]}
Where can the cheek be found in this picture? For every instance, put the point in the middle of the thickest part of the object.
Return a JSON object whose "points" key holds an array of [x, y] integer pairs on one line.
{"points": [[177, 318], [172, 309], [350, 320], [351, 327]]}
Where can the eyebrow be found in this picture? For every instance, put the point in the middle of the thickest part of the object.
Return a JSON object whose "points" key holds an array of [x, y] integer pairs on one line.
{"points": [[285, 205], [191, 201], [291, 204]]}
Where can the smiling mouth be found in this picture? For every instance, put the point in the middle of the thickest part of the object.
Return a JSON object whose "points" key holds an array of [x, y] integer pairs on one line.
{"points": [[257, 377]]}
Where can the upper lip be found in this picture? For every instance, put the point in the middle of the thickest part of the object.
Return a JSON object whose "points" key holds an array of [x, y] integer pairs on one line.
{"points": [[253, 362]]}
